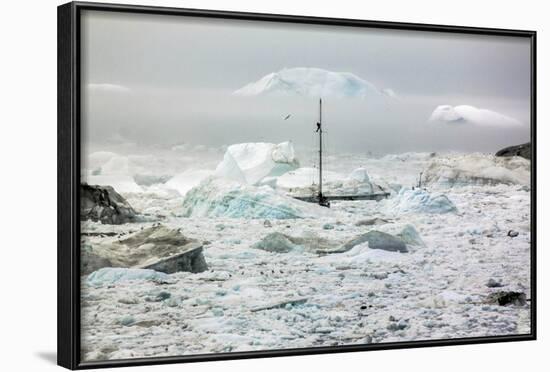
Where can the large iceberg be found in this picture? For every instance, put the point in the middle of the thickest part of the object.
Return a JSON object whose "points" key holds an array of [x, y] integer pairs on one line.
{"points": [[219, 197], [185, 181], [314, 82], [478, 169], [251, 162]]}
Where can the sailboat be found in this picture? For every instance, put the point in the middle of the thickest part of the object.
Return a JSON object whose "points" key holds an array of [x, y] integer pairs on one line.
{"points": [[322, 199]]}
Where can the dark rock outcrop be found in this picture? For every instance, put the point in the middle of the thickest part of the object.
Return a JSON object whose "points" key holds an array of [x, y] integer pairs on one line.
{"points": [[104, 204], [504, 298], [523, 150]]}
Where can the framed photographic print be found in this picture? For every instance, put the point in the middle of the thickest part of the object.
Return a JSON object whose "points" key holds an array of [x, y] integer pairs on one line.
{"points": [[237, 185]]}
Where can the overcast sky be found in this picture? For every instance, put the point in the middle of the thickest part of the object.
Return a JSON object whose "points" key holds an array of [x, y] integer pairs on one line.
{"points": [[163, 80]]}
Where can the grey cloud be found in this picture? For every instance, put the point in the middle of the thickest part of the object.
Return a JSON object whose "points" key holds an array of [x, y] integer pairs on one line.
{"points": [[181, 72]]}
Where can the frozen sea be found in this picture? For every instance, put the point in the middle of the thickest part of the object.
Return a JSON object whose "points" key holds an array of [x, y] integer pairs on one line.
{"points": [[251, 299]]}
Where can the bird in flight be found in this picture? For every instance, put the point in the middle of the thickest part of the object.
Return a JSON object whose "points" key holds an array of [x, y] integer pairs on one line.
{"points": [[288, 116]]}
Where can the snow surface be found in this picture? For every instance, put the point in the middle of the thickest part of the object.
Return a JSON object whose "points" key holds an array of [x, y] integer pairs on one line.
{"points": [[435, 291], [473, 115], [314, 82]]}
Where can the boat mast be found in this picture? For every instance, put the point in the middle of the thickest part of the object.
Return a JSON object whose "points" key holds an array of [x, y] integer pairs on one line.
{"points": [[320, 130], [320, 198]]}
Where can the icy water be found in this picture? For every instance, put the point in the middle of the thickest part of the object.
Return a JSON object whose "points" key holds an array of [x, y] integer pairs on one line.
{"points": [[251, 299]]}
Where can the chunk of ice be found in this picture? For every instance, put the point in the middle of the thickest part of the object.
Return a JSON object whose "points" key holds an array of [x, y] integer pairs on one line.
{"points": [[252, 162], [419, 201]]}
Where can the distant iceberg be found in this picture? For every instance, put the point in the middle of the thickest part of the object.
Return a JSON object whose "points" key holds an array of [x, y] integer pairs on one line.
{"points": [[314, 82], [472, 115], [106, 168]]}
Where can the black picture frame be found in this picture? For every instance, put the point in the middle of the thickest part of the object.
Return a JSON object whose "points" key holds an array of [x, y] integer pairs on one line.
{"points": [[68, 215]]}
